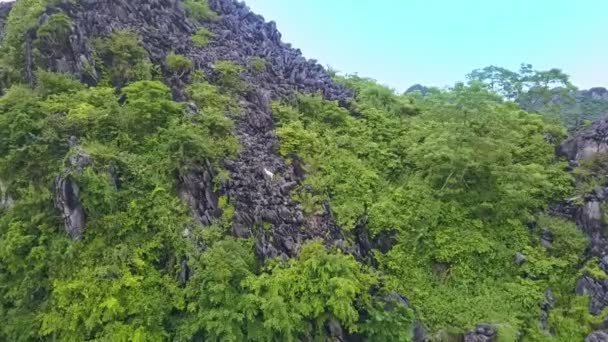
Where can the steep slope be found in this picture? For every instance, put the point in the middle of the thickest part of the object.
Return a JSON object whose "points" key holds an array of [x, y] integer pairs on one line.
{"points": [[240, 35], [171, 170], [152, 148], [587, 151]]}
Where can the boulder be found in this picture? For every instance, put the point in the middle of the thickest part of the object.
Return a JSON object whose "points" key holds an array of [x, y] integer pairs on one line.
{"points": [[482, 333]]}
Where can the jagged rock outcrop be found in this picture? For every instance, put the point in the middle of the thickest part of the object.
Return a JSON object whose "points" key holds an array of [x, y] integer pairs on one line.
{"points": [[6, 201], [259, 202], [589, 215], [196, 189], [597, 290], [597, 93], [575, 107], [419, 333], [68, 202], [5, 8], [545, 309], [587, 143], [240, 34], [482, 333], [67, 195], [598, 336]]}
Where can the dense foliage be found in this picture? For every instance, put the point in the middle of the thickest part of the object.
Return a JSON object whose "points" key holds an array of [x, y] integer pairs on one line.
{"points": [[458, 178], [123, 142], [549, 92], [451, 188]]}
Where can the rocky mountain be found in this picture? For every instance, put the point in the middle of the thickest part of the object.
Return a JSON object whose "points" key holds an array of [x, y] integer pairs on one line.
{"points": [[173, 170], [241, 35], [588, 105], [587, 149]]}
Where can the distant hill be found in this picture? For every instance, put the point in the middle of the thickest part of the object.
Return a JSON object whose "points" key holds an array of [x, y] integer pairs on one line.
{"points": [[576, 108]]}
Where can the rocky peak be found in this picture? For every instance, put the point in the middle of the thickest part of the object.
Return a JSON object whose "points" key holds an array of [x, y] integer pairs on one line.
{"points": [[597, 93], [586, 143], [417, 87]]}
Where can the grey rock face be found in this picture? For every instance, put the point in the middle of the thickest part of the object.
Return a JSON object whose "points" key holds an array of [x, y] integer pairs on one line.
{"points": [[598, 93], [589, 217], [546, 238], [483, 333], [6, 201], [586, 143], [520, 259], [597, 290], [5, 8], [163, 26], [420, 332], [68, 202], [545, 307], [196, 189], [335, 330], [66, 195], [598, 336]]}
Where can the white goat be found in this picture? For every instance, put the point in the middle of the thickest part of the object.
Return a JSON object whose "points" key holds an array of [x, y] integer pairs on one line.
{"points": [[268, 173]]}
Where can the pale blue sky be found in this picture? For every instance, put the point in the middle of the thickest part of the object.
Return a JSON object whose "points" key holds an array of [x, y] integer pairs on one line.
{"points": [[436, 42]]}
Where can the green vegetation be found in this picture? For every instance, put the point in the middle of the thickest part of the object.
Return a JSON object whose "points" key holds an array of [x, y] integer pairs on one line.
{"points": [[178, 64], [199, 10], [284, 302], [258, 64], [457, 174], [548, 92], [202, 37], [229, 75], [55, 31], [121, 282], [591, 173], [459, 178], [23, 17], [121, 59]]}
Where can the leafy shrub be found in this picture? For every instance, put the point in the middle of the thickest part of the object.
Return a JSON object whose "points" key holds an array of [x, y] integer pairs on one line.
{"points": [[149, 106], [334, 284], [229, 75], [220, 307], [49, 83], [51, 37], [179, 64], [208, 97], [590, 173], [258, 64], [55, 30], [123, 58], [231, 300], [199, 10], [202, 37]]}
